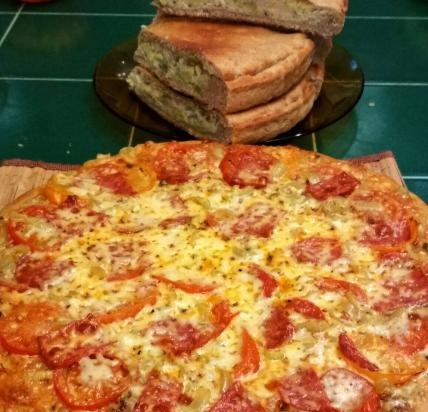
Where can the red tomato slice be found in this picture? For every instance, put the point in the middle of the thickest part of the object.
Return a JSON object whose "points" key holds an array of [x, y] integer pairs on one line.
{"points": [[317, 250], [161, 393], [64, 347], [349, 392], [306, 308], [175, 221], [343, 286], [35, 272], [21, 327], [334, 183], [113, 176], [409, 291], [269, 283], [247, 166], [179, 163], [221, 317], [350, 351], [250, 357], [304, 391], [78, 394], [17, 237], [235, 399], [278, 329], [184, 286], [128, 310]]}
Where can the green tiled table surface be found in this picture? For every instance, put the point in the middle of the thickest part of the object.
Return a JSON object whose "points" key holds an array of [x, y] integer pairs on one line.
{"points": [[48, 109]]}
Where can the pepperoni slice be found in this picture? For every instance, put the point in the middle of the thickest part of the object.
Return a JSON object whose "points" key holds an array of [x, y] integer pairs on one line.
{"points": [[304, 391], [35, 272], [113, 176], [269, 283], [235, 399], [333, 182], [64, 347], [250, 357], [184, 286], [79, 391], [342, 286], [177, 163], [278, 329], [180, 339], [415, 338], [129, 309], [349, 350], [410, 291], [121, 260], [306, 308], [317, 250], [161, 393], [20, 328], [258, 220], [45, 211], [349, 392], [247, 166]]}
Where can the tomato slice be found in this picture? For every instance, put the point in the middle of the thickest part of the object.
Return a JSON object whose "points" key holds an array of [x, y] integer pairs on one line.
{"points": [[350, 351], [306, 308], [247, 166], [93, 392], [184, 286], [269, 283], [161, 393], [129, 309], [15, 231], [21, 327], [250, 357], [64, 347], [343, 286]]}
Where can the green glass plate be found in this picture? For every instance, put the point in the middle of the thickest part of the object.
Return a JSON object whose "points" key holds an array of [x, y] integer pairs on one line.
{"points": [[342, 88]]}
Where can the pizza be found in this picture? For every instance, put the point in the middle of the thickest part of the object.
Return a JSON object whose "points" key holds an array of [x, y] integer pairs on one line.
{"points": [[193, 276]]}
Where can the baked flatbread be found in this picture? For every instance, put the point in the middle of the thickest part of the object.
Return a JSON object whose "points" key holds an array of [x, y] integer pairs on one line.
{"points": [[228, 67], [253, 125], [321, 17]]}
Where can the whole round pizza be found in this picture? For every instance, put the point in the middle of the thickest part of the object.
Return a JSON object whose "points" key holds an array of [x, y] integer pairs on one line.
{"points": [[197, 277]]}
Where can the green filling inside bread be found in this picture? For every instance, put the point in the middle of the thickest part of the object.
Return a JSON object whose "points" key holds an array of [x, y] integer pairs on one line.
{"points": [[185, 112], [182, 70]]}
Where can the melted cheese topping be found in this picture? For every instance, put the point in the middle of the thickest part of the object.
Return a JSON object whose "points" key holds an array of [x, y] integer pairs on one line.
{"points": [[196, 253]]}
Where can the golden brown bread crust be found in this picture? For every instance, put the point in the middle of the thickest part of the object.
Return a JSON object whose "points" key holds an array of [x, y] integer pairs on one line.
{"points": [[249, 65], [324, 18], [267, 121], [253, 125]]}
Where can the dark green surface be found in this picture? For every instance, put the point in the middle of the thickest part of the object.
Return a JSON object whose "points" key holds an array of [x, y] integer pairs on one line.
{"points": [[396, 52], [9, 5], [62, 46], [40, 118], [69, 126], [382, 121], [96, 6], [402, 8]]}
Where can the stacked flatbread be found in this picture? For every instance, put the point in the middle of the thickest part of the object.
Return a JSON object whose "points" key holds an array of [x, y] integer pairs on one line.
{"points": [[235, 71]]}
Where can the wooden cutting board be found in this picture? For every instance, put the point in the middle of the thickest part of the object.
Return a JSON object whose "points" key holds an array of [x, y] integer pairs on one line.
{"points": [[19, 176]]}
